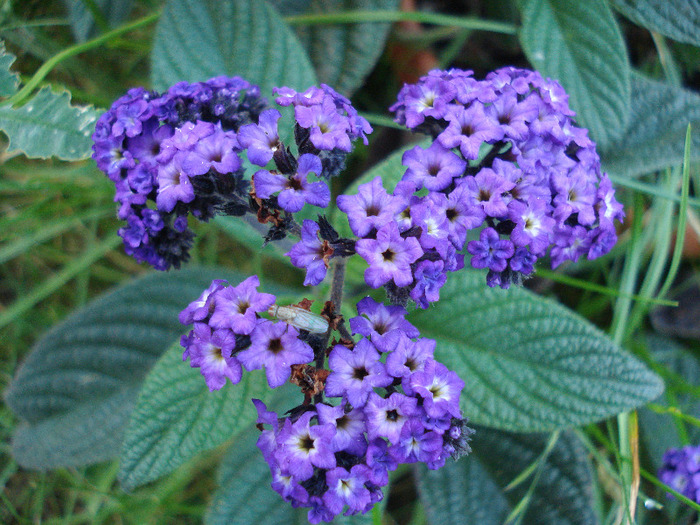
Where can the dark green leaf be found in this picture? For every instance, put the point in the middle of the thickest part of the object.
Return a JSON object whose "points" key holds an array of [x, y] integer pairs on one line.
{"points": [[528, 363], [655, 139], [176, 417], [580, 45], [8, 80], [677, 19], [342, 54], [82, 21], [199, 39], [48, 126], [77, 387], [472, 489], [245, 496]]}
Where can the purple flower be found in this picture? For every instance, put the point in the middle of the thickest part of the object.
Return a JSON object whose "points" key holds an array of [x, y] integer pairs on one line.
{"points": [[380, 462], [533, 227], [355, 373], [295, 190], [261, 139], [681, 471], [371, 208], [203, 307], [463, 214], [329, 129], [409, 357], [311, 253], [349, 427], [389, 257], [347, 488], [415, 444], [381, 323], [430, 276], [432, 168], [303, 446], [440, 389], [575, 194], [490, 251], [386, 417], [217, 151], [210, 351], [236, 306], [487, 188], [173, 184], [469, 127], [429, 98], [277, 347]]}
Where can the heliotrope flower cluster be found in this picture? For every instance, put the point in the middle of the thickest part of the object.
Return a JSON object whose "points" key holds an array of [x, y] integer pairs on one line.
{"points": [[179, 153], [681, 471], [506, 155], [384, 399]]}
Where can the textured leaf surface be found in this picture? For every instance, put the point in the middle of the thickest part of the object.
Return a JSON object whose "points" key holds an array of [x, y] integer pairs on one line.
{"points": [[48, 126], [655, 139], [176, 417], [677, 19], [471, 490], [580, 45], [8, 80], [245, 496], [77, 387], [83, 23], [342, 54], [199, 39], [528, 363]]}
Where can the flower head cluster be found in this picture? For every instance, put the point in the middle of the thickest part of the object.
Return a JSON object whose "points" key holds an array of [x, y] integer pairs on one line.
{"points": [[388, 401], [506, 155], [228, 333], [174, 154], [681, 471]]}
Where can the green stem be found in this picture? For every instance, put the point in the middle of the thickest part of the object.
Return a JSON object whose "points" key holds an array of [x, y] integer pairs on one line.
{"points": [[47, 66], [355, 17]]}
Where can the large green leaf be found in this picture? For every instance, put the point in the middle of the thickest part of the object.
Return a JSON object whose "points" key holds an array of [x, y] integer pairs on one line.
{"points": [[472, 489], [77, 387], [48, 126], [199, 39], [245, 496], [528, 363], [342, 54], [655, 139], [677, 19], [176, 417], [580, 45], [82, 21], [8, 80]]}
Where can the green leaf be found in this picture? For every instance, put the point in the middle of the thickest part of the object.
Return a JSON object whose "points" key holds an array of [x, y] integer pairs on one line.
{"points": [[342, 54], [199, 39], [245, 496], [655, 139], [528, 363], [176, 417], [471, 490], [8, 80], [676, 19], [251, 234], [77, 387], [49, 126], [82, 21], [580, 45]]}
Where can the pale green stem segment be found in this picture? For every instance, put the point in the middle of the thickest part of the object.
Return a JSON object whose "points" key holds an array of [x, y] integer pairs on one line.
{"points": [[355, 17], [47, 66]]}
